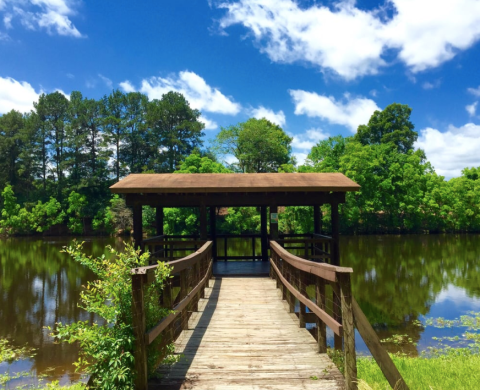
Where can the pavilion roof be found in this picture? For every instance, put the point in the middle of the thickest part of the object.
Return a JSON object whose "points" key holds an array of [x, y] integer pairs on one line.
{"points": [[159, 183]]}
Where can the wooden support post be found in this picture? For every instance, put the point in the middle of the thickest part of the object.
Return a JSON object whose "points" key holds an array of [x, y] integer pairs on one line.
{"points": [[168, 303], [159, 220], [139, 328], [225, 247], [302, 288], [321, 327], [263, 225], [274, 225], [213, 231], [348, 332], [203, 223], [317, 219], [337, 314], [137, 226], [290, 296], [253, 248], [335, 249], [195, 280], [183, 294]]}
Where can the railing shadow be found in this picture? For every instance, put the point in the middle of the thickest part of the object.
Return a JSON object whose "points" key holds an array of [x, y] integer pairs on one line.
{"points": [[175, 376]]}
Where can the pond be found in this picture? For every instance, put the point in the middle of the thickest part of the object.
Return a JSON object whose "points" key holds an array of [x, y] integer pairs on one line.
{"points": [[397, 280]]}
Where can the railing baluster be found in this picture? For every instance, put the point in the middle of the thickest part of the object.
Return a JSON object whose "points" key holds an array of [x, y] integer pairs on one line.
{"points": [[139, 328], [303, 290], [321, 327], [348, 331]]}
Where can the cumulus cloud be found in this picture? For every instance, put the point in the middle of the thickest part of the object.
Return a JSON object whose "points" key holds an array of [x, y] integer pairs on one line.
{"points": [[274, 117], [452, 150], [351, 112], [474, 91], [472, 109], [306, 141], [127, 86], [209, 124], [50, 15], [353, 42], [195, 89], [16, 95]]}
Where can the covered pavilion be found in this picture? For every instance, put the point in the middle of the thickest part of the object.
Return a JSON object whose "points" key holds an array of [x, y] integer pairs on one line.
{"points": [[208, 191]]}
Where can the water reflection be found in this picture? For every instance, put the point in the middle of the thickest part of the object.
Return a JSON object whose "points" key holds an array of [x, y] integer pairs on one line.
{"points": [[400, 279], [397, 280], [40, 286]]}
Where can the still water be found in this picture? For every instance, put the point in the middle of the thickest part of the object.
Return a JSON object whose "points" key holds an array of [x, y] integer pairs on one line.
{"points": [[397, 280]]}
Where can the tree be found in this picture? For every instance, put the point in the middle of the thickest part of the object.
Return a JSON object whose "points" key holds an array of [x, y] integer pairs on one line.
{"points": [[11, 143], [195, 163], [114, 128], [258, 144], [390, 125], [176, 130], [325, 156]]}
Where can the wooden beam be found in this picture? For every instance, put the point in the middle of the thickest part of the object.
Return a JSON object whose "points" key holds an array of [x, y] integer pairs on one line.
{"points": [[317, 219], [159, 220], [137, 226], [219, 199], [139, 328], [263, 228], [213, 231], [335, 234], [203, 223], [273, 226], [377, 350]]}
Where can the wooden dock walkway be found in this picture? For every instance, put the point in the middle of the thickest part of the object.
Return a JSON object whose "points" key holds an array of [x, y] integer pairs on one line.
{"points": [[243, 337]]}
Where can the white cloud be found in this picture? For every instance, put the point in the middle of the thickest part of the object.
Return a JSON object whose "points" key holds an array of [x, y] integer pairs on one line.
{"points": [[127, 86], [472, 109], [474, 91], [353, 42], [51, 15], [16, 95], [309, 139], [433, 85], [274, 117], [453, 150], [106, 80], [300, 157], [209, 124], [350, 113], [200, 95]]}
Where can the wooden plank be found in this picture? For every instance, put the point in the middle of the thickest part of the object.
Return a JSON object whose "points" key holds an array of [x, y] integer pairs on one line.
{"points": [[240, 183], [229, 349], [379, 353]]}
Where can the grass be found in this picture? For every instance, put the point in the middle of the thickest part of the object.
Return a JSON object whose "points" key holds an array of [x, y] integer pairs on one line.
{"points": [[455, 370], [439, 368]]}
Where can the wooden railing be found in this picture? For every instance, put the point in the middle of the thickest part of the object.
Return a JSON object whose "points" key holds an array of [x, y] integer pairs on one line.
{"points": [[293, 274], [171, 247], [315, 247], [335, 308], [180, 294]]}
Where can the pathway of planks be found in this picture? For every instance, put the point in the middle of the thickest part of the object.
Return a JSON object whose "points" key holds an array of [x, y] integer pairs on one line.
{"points": [[244, 338]]}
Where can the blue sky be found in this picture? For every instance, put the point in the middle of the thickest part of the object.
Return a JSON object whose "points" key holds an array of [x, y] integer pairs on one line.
{"points": [[317, 68]]}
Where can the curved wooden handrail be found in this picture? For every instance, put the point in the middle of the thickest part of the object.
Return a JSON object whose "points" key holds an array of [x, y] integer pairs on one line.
{"points": [[324, 316], [178, 265], [161, 326], [325, 271]]}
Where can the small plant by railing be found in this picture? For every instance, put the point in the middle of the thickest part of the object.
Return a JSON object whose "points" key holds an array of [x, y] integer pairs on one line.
{"points": [[180, 295], [107, 345]]}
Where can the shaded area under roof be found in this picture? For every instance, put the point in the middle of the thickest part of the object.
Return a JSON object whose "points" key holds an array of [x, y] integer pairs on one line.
{"points": [[233, 183]]}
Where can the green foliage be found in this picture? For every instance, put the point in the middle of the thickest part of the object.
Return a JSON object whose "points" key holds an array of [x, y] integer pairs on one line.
{"points": [[116, 218], [46, 215], [392, 125], [107, 346], [198, 164], [76, 209], [258, 144], [241, 220]]}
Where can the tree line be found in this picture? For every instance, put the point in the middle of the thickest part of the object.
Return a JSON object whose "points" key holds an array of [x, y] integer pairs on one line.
{"points": [[57, 162]]}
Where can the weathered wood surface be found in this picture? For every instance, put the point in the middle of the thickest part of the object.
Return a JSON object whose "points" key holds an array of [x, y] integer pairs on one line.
{"points": [[244, 338]]}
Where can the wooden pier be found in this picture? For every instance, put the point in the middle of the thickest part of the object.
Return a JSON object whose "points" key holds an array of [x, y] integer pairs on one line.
{"points": [[243, 337]]}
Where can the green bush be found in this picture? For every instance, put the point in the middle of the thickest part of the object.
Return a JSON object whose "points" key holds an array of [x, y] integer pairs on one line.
{"points": [[107, 345]]}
